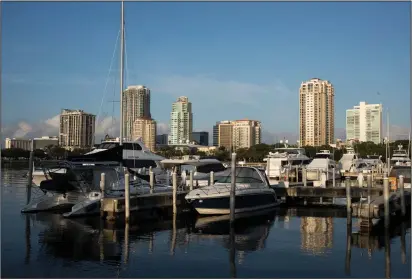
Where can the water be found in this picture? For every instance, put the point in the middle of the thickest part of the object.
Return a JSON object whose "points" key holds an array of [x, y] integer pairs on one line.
{"points": [[294, 242]]}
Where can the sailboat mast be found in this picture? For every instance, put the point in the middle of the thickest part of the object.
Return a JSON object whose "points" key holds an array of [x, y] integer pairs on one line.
{"points": [[121, 73]]}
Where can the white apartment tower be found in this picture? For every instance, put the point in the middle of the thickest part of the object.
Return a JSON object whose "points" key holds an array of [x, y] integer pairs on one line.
{"points": [[246, 133], [316, 113], [136, 103], [364, 123], [181, 121], [76, 129]]}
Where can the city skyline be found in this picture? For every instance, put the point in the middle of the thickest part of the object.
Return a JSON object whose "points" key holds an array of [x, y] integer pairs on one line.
{"points": [[360, 57]]}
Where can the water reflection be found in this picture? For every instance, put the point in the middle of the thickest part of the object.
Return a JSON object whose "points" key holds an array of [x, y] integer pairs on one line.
{"points": [[316, 234]]}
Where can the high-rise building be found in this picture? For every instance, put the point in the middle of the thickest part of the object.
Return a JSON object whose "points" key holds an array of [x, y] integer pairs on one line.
{"points": [[224, 134], [364, 123], [76, 129], [17, 143], [246, 133], [237, 134], [136, 103], [316, 113], [202, 138], [145, 128], [181, 121]]}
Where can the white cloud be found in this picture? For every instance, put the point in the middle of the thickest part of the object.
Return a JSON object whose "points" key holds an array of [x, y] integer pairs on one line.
{"points": [[162, 128]]}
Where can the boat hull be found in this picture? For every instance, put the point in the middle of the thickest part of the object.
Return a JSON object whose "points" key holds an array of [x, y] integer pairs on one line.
{"points": [[243, 203]]}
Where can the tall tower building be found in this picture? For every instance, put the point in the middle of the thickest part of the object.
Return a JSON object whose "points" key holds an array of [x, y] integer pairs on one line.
{"points": [[181, 121], [316, 113], [364, 123], [145, 128], [246, 133], [136, 103], [76, 129]]}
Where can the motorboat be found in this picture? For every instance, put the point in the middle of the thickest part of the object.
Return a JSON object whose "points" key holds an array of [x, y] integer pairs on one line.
{"points": [[76, 191], [283, 159], [348, 159], [400, 157], [323, 168], [253, 192]]}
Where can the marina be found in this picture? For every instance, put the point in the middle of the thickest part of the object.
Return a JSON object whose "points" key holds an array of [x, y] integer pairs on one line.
{"points": [[86, 247]]}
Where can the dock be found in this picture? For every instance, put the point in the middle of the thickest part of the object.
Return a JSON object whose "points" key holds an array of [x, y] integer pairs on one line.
{"points": [[376, 208]]}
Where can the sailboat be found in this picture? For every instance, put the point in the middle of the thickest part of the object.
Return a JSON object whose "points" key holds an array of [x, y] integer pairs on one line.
{"points": [[76, 189]]}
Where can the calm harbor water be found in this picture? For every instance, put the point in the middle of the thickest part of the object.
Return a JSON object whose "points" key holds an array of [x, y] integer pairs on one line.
{"points": [[293, 242]]}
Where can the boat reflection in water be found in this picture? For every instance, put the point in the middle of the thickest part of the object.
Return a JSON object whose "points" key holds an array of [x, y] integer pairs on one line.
{"points": [[250, 231], [89, 239]]}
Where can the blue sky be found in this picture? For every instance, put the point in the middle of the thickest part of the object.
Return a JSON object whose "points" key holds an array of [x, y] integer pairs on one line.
{"points": [[233, 60]]}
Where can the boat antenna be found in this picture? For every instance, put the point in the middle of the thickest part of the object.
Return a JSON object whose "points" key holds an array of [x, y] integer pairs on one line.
{"points": [[121, 73]]}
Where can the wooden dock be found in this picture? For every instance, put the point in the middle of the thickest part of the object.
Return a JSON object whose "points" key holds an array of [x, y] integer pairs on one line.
{"points": [[377, 206], [155, 204]]}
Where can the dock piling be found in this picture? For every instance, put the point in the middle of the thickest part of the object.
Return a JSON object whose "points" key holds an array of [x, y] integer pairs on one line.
{"points": [[212, 178], [297, 174], [403, 248], [174, 181], [348, 200], [287, 174], [348, 248], [333, 178], [369, 184], [127, 197], [305, 183], [151, 180], [191, 180], [167, 177], [402, 193], [30, 175], [387, 254], [233, 188], [386, 200], [102, 191]]}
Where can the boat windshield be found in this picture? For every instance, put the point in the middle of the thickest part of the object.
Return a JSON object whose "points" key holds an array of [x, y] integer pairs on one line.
{"points": [[322, 156], [243, 175]]}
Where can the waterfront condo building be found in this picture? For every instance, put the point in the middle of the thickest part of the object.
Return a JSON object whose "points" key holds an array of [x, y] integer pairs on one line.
{"points": [[246, 133], [181, 121], [136, 103], [237, 134], [145, 128], [364, 123], [316, 113], [17, 143], [76, 129]]}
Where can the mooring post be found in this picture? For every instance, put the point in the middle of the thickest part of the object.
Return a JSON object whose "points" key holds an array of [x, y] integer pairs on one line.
{"points": [[305, 183], [30, 176], [174, 181], [287, 174], [233, 188], [212, 178], [191, 180], [333, 177], [151, 180], [369, 184], [127, 197], [102, 192], [402, 193], [348, 200], [386, 200]]}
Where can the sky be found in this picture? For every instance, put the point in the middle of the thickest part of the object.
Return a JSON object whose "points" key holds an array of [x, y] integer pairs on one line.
{"points": [[232, 60]]}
